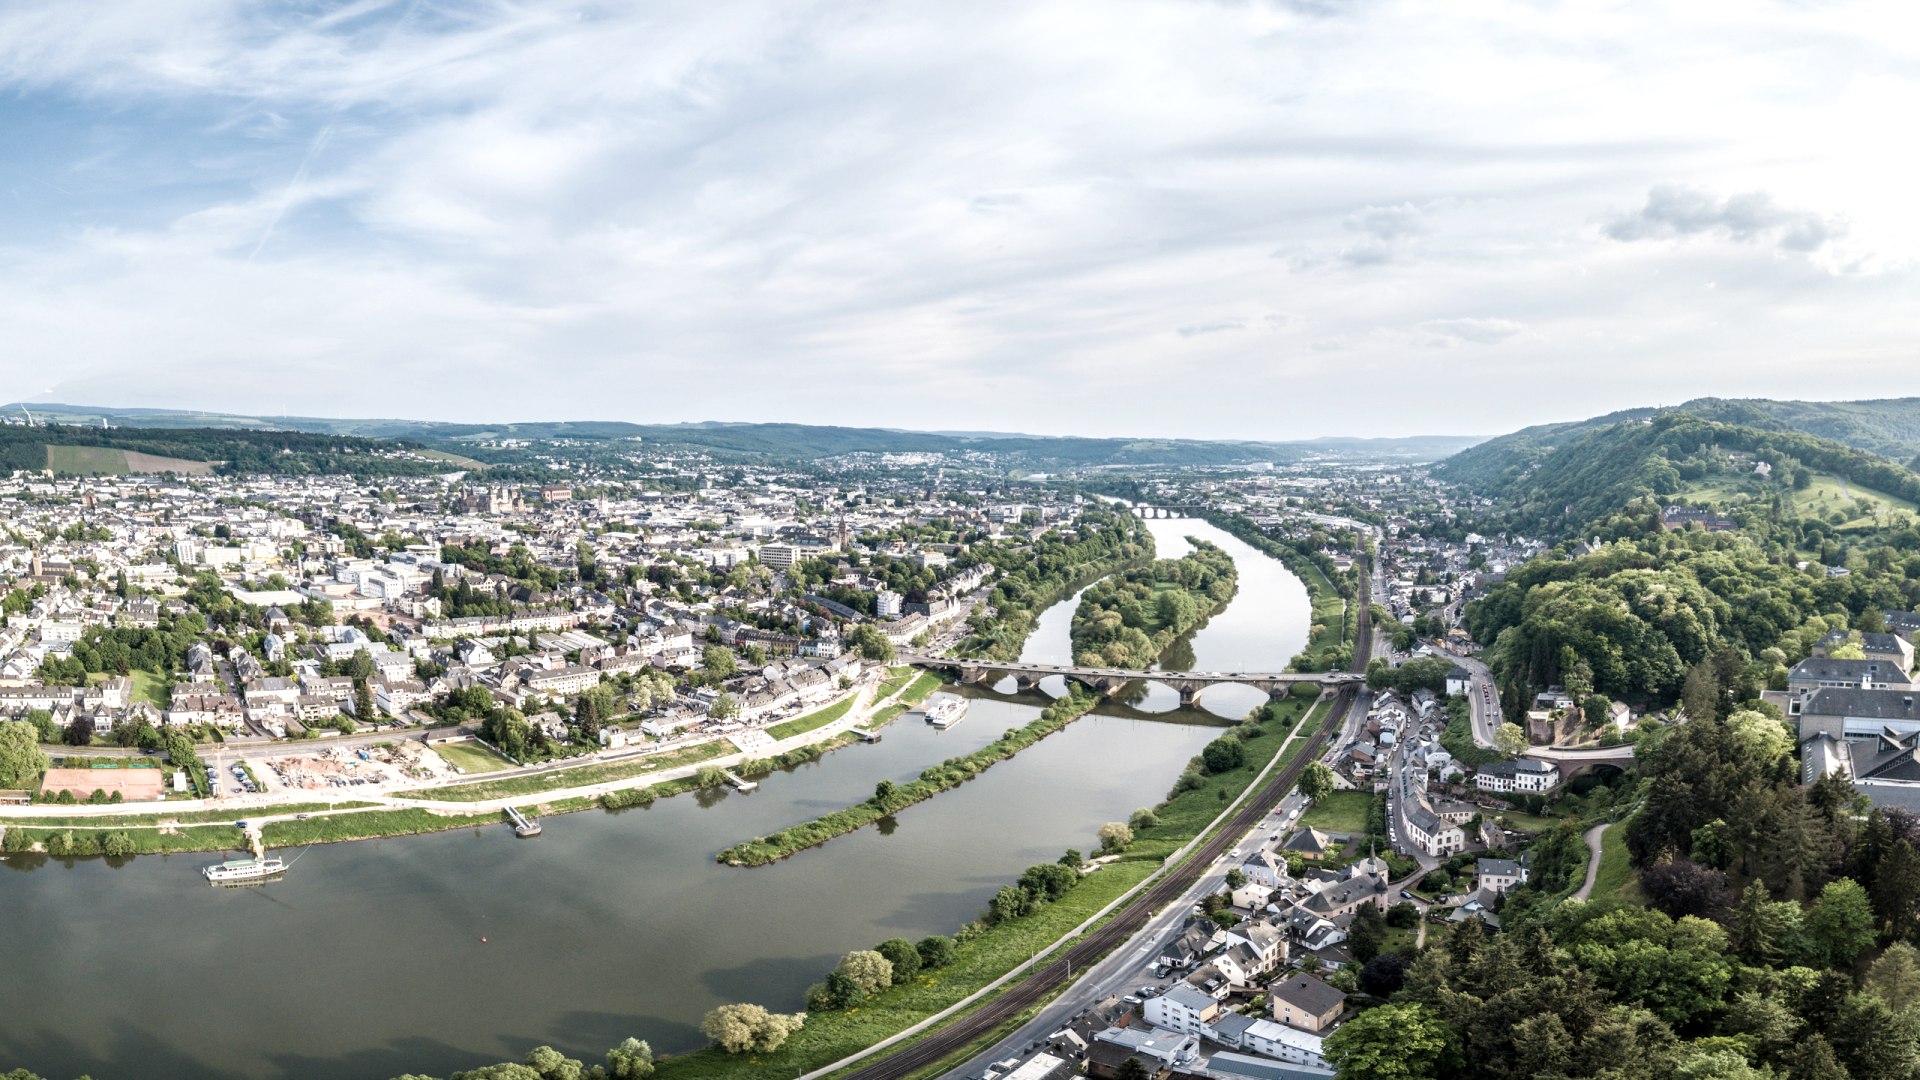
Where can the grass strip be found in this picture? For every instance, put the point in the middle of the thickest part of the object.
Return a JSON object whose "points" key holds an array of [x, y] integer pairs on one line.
{"points": [[817, 719], [373, 823], [577, 776]]}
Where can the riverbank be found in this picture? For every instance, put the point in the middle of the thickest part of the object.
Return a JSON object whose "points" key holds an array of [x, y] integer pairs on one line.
{"points": [[1130, 619], [1024, 591], [993, 953], [894, 798], [1330, 641], [413, 812]]}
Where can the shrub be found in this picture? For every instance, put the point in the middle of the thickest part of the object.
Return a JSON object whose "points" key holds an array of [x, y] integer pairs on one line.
{"points": [[936, 951], [116, 844], [1114, 837]]}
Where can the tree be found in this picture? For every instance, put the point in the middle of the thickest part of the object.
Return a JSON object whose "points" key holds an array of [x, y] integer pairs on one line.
{"points": [[869, 971], [1142, 819], [1896, 975], [1385, 974], [363, 701], [1223, 754], [1368, 930], [1115, 836], [1896, 890], [1392, 1042], [1684, 887], [724, 707], [1131, 1069], [1316, 780], [717, 662], [1840, 924], [586, 714], [739, 1028], [21, 759], [1509, 741], [551, 1064], [870, 643], [936, 951], [79, 731], [631, 1060], [903, 956]]}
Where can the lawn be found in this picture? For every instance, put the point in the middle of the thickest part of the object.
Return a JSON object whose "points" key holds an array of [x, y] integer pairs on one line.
{"points": [[472, 757], [1339, 812], [820, 718], [578, 776], [149, 686], [1823, 496]]}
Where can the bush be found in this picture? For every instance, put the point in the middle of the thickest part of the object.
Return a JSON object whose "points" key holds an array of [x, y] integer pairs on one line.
{"points": [[936, 951], [1223, 754], [116, 844], [1114, 837], [1143, 819], [903, 956], [739, 1028]]}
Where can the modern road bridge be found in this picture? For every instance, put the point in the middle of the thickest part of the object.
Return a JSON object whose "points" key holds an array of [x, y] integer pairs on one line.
{"points": [[1110, 680]]}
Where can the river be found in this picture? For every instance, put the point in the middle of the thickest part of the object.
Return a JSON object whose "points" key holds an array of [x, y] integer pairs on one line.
{"points": [[434, 953]]}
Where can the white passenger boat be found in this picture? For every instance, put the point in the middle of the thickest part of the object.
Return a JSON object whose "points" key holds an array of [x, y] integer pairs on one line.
{"points": [[946, 711], [240, 871]]}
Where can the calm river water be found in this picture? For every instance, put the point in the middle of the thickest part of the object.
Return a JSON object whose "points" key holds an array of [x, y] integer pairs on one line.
{"points": [[369, 961]]}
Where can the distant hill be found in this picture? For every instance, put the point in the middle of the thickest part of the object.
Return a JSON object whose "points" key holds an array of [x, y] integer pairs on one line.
{"points": [[1889, 428], [1557, 478], [787, 442], [202, 451]]}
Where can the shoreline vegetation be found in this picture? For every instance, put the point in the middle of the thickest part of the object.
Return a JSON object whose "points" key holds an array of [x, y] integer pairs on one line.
{"points": [[890, 798], [197, 831], [1049, 572], [984, 953], [1130, 619], [1330, 641]]}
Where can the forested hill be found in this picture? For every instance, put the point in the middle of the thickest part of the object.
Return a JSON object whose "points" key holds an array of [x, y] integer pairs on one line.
{"points": [[789, 442], [93, 450], [1889, 428], [1556, 481]]}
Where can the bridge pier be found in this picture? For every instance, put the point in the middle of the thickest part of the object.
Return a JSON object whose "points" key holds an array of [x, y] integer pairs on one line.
{"points": [[970, 675], [1189, 696], [1025, 683]]}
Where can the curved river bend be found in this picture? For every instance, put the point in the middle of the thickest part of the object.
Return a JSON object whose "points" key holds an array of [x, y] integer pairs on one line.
{"points": [[368, 960]]}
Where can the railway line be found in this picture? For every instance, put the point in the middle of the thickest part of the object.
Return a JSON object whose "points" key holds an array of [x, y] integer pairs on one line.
{"points": [[1044, 982]]}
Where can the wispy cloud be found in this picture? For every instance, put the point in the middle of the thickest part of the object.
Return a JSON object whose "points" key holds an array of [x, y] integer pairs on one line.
{"points": [[548, 208]]}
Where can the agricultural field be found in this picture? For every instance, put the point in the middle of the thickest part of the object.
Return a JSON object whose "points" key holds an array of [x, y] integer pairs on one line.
{"points": [[106, 461]]}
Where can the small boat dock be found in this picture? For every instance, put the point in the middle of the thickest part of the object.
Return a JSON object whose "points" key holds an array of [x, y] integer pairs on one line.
{"points": [[867, 736], [739, 782], [523, 826]]}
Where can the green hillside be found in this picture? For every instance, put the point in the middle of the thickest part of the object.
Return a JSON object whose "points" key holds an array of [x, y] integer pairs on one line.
{"points": [[1556, 482], [94, 451]]}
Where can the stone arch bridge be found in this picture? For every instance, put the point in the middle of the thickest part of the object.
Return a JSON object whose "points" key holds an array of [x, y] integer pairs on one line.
{"points": [[1190, 684]]}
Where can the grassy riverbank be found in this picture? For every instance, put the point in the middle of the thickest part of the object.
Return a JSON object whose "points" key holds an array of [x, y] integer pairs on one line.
{"points": [[818, 719], [578, 776], [370, 825], [92, 839], [1329, 642], [992, 953], [948, 774]]}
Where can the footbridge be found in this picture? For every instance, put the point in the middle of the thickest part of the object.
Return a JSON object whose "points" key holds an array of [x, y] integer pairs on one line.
{"points": [[1111, 680]]}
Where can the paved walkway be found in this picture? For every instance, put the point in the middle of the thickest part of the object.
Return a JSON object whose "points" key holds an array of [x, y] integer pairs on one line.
{"points": [[1593, 861]]}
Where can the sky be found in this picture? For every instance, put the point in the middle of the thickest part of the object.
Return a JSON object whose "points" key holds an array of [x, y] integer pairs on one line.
{"points": [[1263, 220]]}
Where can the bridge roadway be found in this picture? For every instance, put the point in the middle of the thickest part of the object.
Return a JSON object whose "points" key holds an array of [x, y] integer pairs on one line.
{"points": [[915, 1057], [1110, 680]]}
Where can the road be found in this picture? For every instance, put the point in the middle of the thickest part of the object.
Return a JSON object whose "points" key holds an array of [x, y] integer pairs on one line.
{"points": [[1593, 836], [1138, 925]]}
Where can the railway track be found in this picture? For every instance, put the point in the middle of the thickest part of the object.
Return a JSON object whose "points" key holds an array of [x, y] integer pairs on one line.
{"points": [[1041, 985]]}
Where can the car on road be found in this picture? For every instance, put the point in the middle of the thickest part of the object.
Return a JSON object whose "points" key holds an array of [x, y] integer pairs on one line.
{"points": [[1406, 894], [1234, 854]]}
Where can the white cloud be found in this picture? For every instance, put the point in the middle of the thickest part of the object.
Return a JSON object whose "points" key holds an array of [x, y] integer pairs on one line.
{"points": [[803, 211]]}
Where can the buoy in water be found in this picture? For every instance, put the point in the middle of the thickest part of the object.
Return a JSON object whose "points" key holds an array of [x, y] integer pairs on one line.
{"points": [[483, 941]]}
